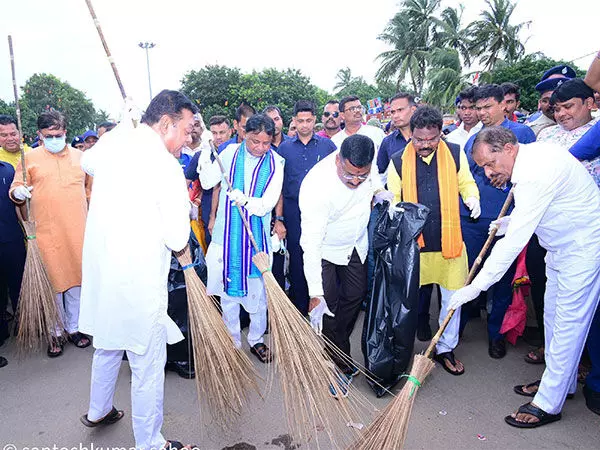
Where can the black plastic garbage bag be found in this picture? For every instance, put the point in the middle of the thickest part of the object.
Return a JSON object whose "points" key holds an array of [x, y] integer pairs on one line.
{"points": [[177, 308], [391, 317]]}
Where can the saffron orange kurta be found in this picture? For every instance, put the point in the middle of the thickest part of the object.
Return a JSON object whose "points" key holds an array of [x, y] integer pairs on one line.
{"points": [[59, 207]]}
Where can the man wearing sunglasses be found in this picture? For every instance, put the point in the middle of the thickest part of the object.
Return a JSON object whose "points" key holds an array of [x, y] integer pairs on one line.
{"points": [[331, 119]]}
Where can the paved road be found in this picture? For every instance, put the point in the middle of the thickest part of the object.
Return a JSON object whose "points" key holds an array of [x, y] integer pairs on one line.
{"points": [[43, 398]]}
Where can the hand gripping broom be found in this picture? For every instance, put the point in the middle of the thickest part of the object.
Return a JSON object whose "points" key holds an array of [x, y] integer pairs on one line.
{"points": [[224, 375], [388, 431], [305, 369], [39, 320]]}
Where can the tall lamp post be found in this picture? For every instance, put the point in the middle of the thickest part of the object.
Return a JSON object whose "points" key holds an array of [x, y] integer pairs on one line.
{"points": [[146, 46]]}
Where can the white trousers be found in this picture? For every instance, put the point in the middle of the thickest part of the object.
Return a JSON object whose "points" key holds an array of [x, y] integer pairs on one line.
{"points": [[68, 308], [258, 318], [147, 388], [572, 294], [449, 339]]}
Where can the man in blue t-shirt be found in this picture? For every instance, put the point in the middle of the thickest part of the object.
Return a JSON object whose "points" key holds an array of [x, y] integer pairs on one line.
{"points": [[491, 108]]}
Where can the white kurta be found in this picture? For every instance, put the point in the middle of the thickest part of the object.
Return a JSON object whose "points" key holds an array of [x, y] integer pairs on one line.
{"points": [[556, 198], [139, 213]]}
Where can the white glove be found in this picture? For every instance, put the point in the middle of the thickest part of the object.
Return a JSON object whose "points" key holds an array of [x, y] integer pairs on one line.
{"points": [[473, 204], [238, 197], [131, 113], [193, 211], [464, 295], [316, 315], [255, 206], [22, 192], [383, 196], [501, 224]]}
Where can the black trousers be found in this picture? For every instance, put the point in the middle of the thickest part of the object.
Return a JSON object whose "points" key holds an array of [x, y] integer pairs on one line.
{"points": [[536, 267], [298, 286], [12, 262], [344, 288]]}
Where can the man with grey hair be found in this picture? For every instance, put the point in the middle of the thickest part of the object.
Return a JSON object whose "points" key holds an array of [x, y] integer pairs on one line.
{"points": [[555, 198]]}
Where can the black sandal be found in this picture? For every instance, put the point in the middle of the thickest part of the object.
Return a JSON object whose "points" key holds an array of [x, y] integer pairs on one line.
{"points": [[448, 356], [520, 389], [262, 352], [77, 337], [113, 416], [176, 445], [56, 353], [538, 356], [543, 417]]}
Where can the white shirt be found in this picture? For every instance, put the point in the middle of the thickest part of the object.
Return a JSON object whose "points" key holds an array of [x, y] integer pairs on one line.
{"points": [[133, 224], [376, 134], [334, 219], [460, 136], [556, 198]]}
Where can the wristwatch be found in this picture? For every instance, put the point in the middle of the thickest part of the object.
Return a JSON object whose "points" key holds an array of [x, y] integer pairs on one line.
{"points": [[280, 218]]}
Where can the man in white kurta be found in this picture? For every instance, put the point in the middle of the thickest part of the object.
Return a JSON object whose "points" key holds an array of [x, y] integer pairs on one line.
{"points": [[132, 229], [243, 165], [555, 198]]}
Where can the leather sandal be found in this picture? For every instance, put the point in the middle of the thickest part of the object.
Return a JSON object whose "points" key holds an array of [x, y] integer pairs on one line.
{"points": [[448, 356], [113, 416], [543, 417]]}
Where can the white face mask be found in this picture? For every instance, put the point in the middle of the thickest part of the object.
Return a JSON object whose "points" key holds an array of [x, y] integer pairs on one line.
{"points": [[55, 144]]}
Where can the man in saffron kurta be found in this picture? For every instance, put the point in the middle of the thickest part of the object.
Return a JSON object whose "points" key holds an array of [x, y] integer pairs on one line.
{"points": [[58, 189], [432, 172]]}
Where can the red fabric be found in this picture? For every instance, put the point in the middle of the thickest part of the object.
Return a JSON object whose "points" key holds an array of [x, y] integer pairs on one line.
{"points": [[515, 318], [195, 190]]}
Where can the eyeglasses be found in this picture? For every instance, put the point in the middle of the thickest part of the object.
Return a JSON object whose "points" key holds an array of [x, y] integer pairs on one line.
{"points": [[426, 142], [350, 176], [355, 108], [335, 114]]}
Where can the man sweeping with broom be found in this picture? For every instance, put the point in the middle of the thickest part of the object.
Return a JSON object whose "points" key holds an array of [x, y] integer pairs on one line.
{"points": [[125, 265], [256, 174], [555, 198]]}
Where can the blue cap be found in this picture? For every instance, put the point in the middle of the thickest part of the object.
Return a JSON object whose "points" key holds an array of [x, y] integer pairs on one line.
{"points": [[76, 140], [550, 84], [89, 133], [561, 71], [457, 100]]}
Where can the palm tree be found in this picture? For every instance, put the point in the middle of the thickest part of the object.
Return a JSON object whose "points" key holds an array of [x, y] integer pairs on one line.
{"points": [[450, 34], [444, 77], [493, 37], [409, 33], [344, 78]]}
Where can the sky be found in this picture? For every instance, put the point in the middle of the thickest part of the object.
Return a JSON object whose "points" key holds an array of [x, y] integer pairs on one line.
{"points": [[318, 37]]}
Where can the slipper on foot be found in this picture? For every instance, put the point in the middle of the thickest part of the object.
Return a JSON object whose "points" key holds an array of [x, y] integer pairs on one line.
{"points": [[448, 356], [520, 389], [113, 416], [543, 417]]}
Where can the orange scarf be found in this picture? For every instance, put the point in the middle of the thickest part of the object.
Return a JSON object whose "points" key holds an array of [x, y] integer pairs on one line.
{"points": [[448, 188]]}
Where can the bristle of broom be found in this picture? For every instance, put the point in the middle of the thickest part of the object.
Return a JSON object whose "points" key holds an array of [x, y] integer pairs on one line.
{"points": [[38, 316], [306, 371], [224, 375], [389, 429]]}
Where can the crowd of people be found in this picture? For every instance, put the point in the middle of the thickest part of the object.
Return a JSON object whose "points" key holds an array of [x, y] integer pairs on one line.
{"points": [[308, 196]]}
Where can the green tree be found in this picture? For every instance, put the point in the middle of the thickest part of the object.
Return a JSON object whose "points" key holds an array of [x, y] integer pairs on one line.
{"points": [[450, 33], [410, 33], [444, 78], [43, 92], [526, 73], [343, 79], [494, 38], [211, 89], [5, 108]]}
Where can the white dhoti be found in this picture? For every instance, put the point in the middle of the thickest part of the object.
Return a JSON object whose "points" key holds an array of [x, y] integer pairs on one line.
{"points": [[572, 294], [68, 308], [449, 338], [147, 388], [255, 303]]}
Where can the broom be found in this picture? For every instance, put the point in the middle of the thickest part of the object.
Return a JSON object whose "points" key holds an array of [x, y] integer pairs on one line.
{"points": [[224, 374], [390, 428], [38, 317], [305, 368]]}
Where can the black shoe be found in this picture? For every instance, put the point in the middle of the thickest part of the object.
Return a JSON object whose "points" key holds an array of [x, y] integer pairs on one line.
{"points": [[497, 349], [3, 361], [423, 331], [183, 368], [592, 399]]}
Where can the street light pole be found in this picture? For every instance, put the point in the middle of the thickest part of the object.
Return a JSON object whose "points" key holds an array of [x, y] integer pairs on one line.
{"points": [[146, 46]]}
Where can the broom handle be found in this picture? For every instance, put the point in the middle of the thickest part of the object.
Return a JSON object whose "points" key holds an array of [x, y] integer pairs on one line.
{"points": [[106, 49], [476, 264], [230, 187], [18, 111]]}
